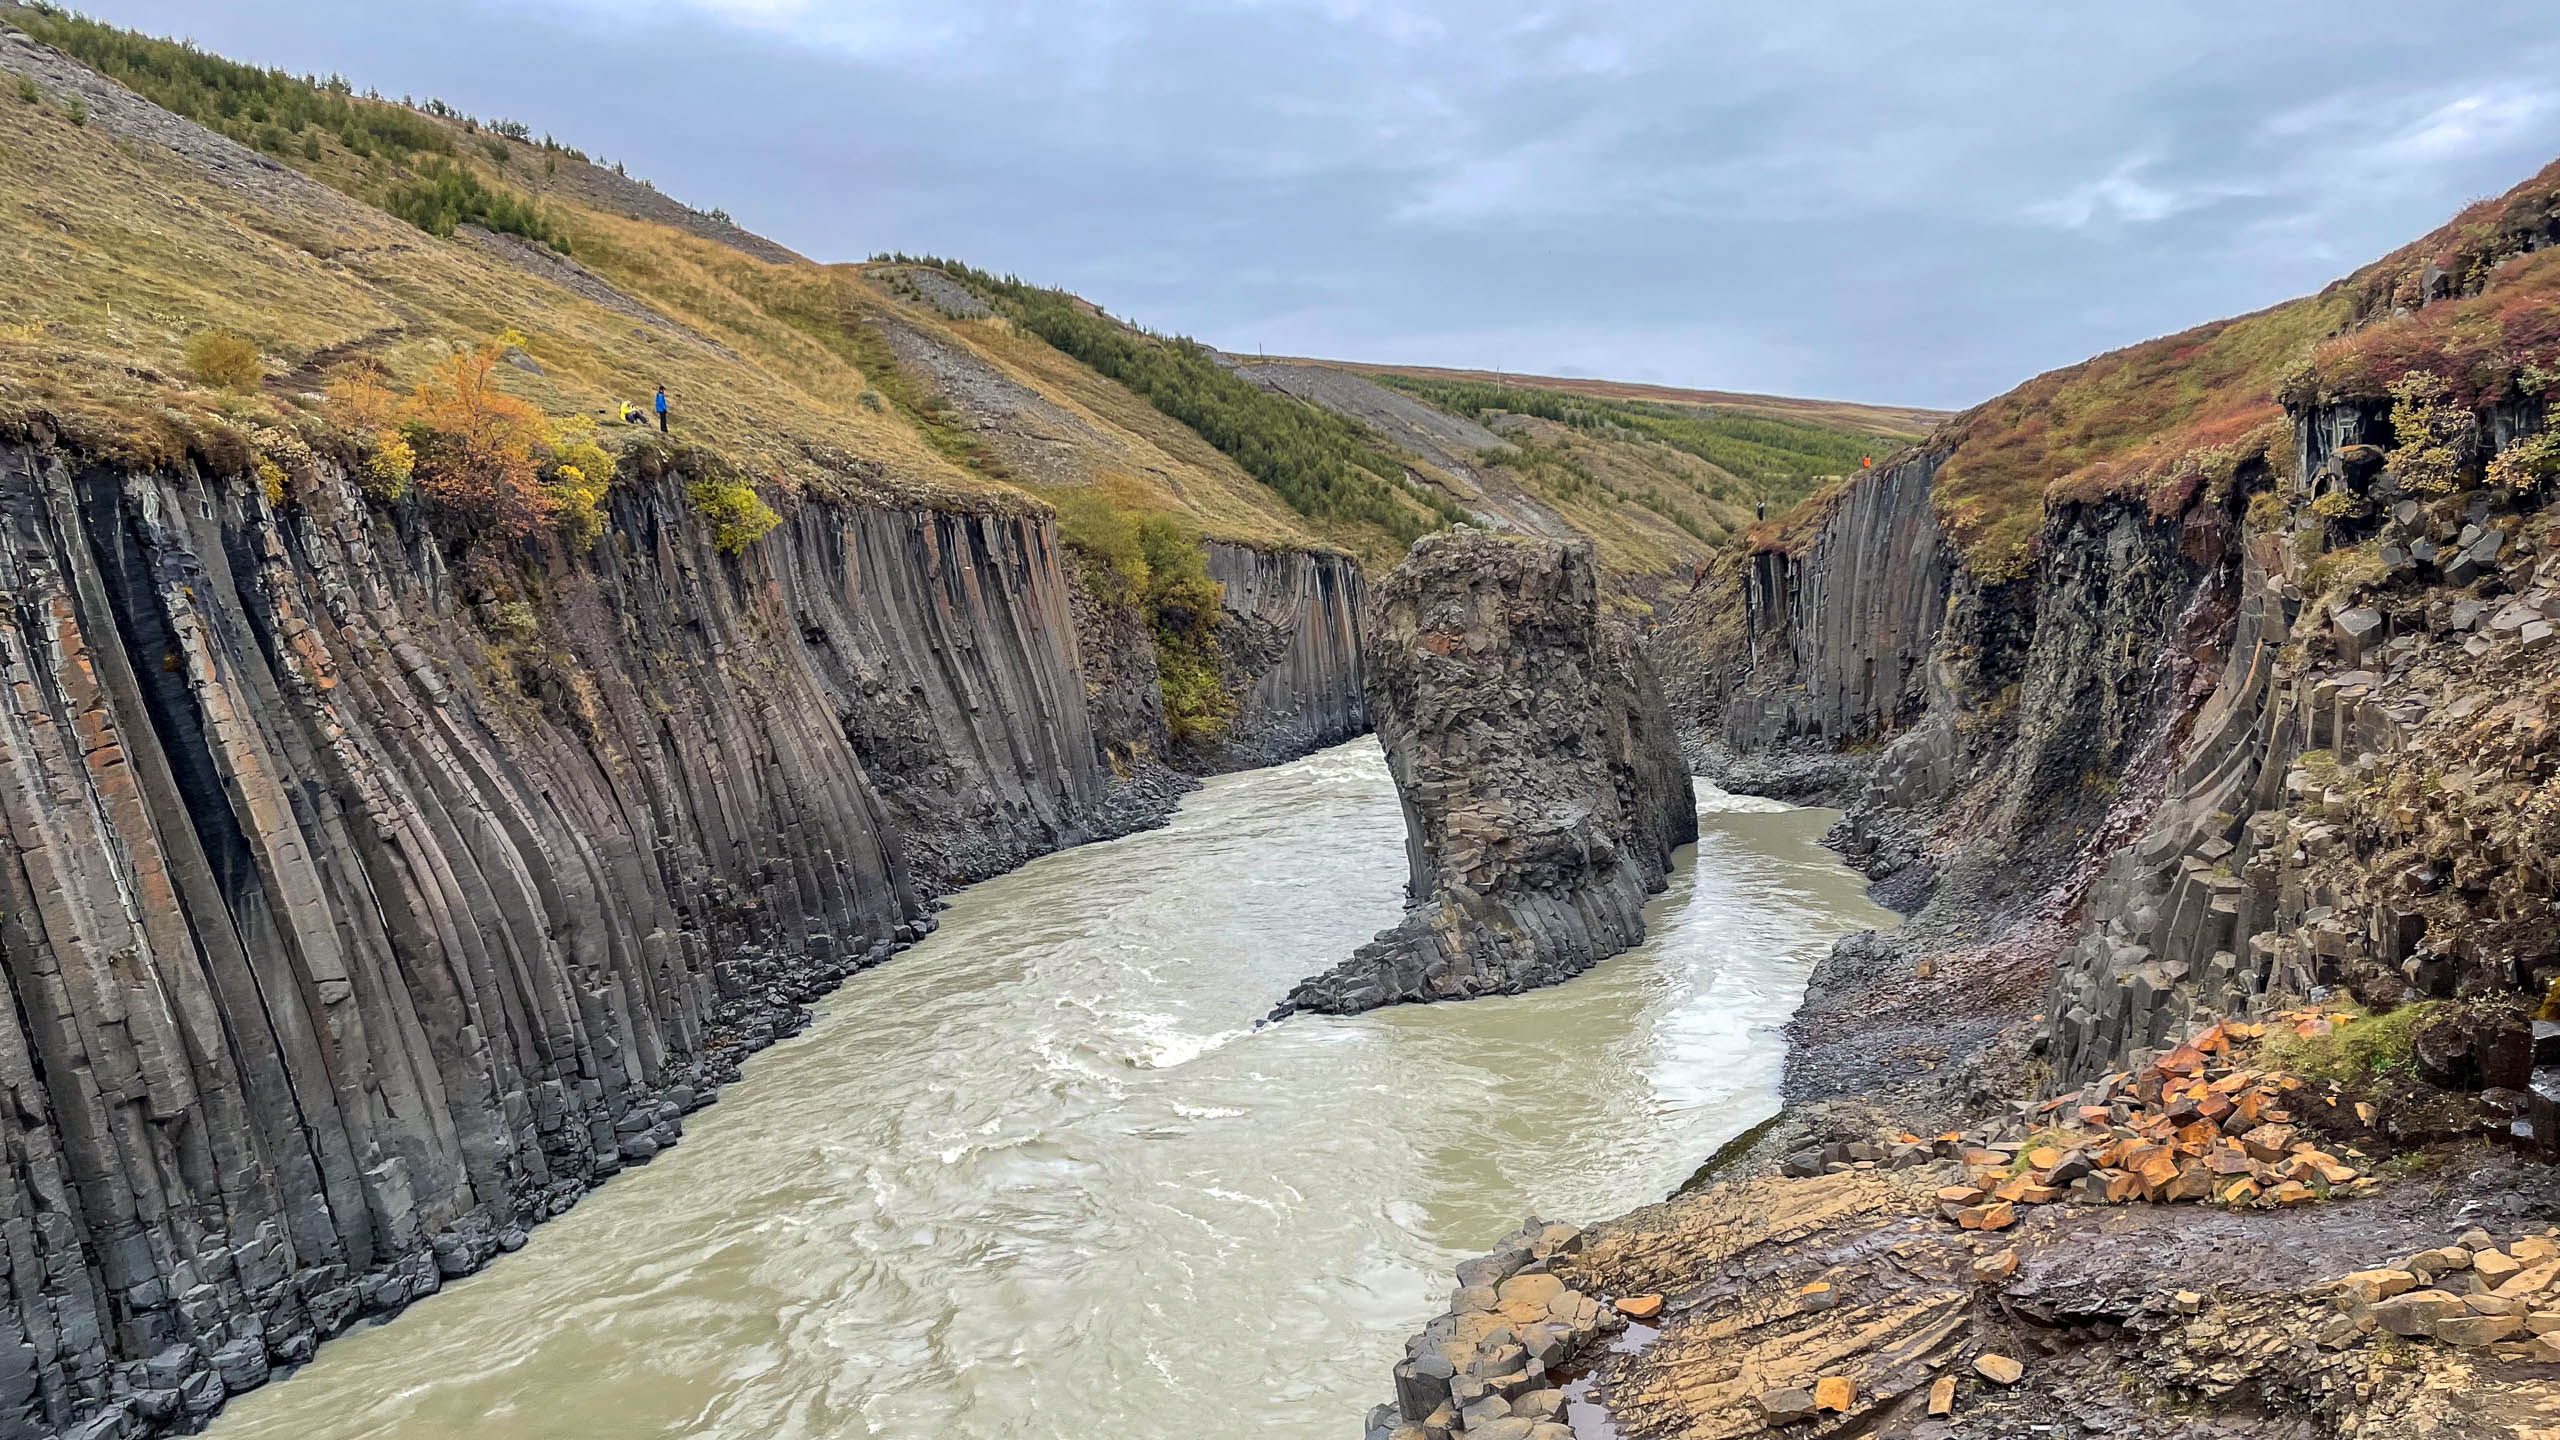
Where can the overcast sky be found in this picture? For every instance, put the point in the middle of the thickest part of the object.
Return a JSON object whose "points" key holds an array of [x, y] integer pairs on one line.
{"points": [[1916, 201]]}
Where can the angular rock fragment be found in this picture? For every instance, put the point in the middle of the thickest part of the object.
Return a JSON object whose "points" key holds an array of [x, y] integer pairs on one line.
{"points": [[1786, 1406], [1998, 1369]]}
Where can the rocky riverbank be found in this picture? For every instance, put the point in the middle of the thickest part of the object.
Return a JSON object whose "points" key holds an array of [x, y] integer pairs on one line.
{"points": [[1543, 792]]}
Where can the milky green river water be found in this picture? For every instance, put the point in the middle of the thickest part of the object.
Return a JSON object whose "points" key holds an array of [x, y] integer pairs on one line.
{"points": [[1040, 1177]]}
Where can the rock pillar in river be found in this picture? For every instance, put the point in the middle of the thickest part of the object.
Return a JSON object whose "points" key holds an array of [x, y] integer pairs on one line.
{"points": [[1543, 791]]}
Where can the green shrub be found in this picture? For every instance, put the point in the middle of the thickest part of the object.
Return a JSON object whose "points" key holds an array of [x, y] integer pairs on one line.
{"points": [[1183, 607], [229, 97], [2364, 1049], [737, 515], [447, 195], [76, 110], [496, 149], [28, 93], [2527, 463], [2434, 436], [1107, 540], [1322, 465], [220, 358]]}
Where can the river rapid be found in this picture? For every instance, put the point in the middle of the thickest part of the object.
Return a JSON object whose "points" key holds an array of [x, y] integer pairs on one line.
{"points": [[1039, 1176]]}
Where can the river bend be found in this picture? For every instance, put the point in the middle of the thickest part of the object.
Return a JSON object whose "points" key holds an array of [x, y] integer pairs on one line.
{"points": [[1040, 1177]]}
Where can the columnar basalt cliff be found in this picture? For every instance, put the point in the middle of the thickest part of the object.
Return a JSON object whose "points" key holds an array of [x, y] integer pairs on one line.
{"points": [[1838, 631], [358, 919], [1543, 791], [1292, 643]]}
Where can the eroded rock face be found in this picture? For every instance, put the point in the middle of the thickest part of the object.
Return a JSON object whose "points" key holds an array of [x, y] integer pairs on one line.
{"points": [[1544, 793], [1291, 637], [358, 918]]}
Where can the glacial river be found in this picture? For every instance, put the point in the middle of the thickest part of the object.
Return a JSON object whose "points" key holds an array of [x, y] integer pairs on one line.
{"points": [[1040, 1177]]}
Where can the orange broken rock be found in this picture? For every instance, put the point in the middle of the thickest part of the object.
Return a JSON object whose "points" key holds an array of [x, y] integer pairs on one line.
{"points": [[1998, 1369], [1640, 1307], [1961, 1194], [1942, 1396], [2158, 1169], [1835, 1392]]}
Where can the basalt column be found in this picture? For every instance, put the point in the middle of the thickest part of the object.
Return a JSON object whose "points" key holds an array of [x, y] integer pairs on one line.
{"points": [[1543, 791]]}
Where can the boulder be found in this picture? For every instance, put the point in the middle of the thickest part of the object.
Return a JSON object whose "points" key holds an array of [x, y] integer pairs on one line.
{"points": [[1786, 1406], [2418, 1312]]}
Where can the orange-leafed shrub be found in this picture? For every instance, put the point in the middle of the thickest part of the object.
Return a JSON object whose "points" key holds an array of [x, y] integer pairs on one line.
{"points": [[363, 405], [479, 450]]}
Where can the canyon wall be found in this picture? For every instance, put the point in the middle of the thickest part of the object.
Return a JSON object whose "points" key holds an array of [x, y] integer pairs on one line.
{"points": [[1292, 645], [361, 908], [1837, 632], [1543, 788], [2356, 812], [2187, 766]]}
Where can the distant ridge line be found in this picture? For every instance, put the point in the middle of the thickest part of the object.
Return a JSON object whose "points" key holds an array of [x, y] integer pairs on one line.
{"points": [[1897, 420]]}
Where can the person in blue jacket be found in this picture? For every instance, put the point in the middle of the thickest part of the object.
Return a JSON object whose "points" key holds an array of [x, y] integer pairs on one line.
{"points": [[662, 409]]}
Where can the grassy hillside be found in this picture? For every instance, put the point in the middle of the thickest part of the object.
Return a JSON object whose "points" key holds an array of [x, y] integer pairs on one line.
{"points": [[360, 239], [1782, 458], [1326, 467]]}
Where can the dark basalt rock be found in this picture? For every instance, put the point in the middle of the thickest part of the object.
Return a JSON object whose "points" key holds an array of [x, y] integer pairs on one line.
{"points": [[358, 919], [1544, 792]]}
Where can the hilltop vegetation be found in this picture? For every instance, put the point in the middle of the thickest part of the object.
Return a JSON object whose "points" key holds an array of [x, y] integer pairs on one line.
{"points": [[302, 118], [140, 248], [1784, 458], [1324, 466]]}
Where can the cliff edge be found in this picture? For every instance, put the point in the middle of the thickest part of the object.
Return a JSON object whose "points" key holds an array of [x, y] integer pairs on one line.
{"points": [[1542, 787]]}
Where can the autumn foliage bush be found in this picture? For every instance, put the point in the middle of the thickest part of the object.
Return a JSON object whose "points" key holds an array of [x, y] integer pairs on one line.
{"points": [[488, 463], [479, 449], [218, 357], [737, 515]]}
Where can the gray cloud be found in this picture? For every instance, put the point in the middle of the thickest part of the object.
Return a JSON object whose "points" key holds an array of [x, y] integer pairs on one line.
{"points": [[1912, 201]]}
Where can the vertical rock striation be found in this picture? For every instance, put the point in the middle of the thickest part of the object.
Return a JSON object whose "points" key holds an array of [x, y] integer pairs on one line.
{"points": [[1292, 640], [1543, 791], [356, 918], [1837, 634]]}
